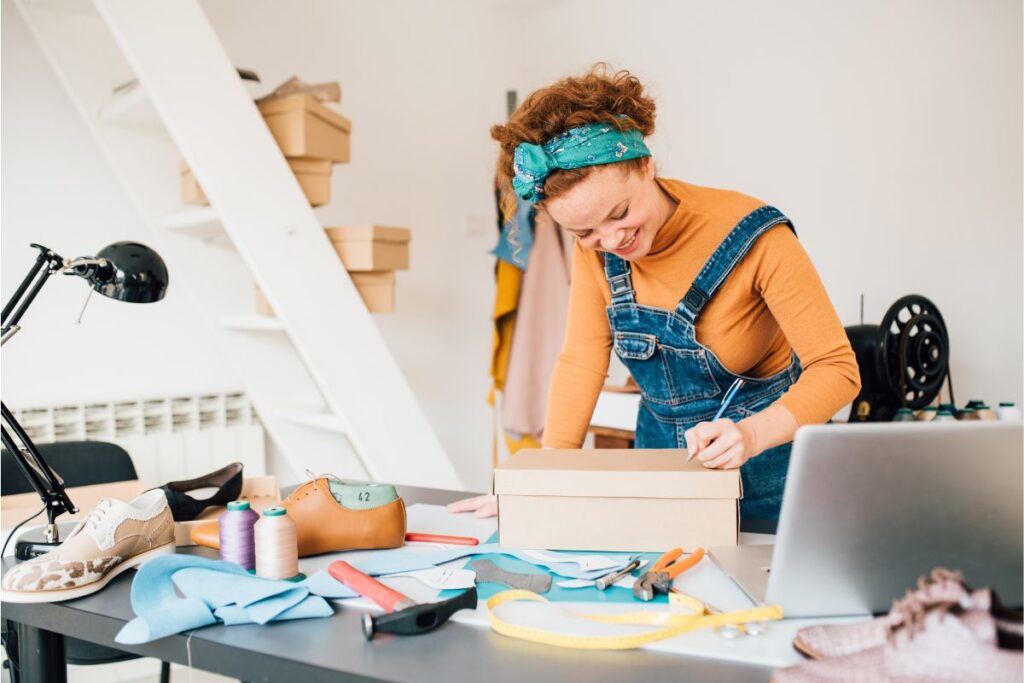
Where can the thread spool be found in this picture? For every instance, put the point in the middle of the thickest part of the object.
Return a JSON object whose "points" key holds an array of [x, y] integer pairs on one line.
{"points": [[927, 414], [237, 535], [944, 415], [904, 415], [986, 413], [1007, 410], [277, 549], [968, 414]]}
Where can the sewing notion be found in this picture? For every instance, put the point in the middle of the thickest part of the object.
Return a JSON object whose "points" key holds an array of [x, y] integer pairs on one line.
{"points": [[402, 615], [658, 580]]}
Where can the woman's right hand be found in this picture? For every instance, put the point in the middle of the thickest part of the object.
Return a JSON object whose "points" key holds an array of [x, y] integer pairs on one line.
{"points": [[480, 506]]}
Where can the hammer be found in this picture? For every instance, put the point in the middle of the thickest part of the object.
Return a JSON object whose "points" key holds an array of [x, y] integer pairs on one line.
{"points": [[403, 615]]}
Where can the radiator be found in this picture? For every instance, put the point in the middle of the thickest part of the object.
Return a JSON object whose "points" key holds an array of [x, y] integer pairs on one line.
{"points": [[168, 438]]}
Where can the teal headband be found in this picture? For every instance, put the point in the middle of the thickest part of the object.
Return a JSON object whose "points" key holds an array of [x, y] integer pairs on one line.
{"points": [[592, 144]]}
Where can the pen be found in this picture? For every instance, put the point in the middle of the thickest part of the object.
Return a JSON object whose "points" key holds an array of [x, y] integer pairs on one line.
{"points": [[730, 393], [438, 538]]}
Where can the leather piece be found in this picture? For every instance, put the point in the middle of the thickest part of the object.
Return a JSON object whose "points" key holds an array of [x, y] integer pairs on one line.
{"points": [[323, 525], [185, 508]]}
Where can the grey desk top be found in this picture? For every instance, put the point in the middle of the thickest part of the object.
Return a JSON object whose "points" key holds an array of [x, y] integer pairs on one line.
{"points": [[334, 649]]}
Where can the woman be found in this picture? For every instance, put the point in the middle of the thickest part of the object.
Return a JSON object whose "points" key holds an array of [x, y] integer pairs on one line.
{"points": [[692, 287]]}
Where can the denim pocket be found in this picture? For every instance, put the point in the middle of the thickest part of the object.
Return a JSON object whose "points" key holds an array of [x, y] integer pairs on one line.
{"points": [[689, 374], [635, 345]]}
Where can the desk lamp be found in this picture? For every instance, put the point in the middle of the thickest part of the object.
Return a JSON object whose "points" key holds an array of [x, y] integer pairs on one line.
{"points": [[125, 271]]}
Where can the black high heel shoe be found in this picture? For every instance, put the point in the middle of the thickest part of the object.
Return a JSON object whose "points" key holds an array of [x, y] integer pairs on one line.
{"points": [[185, 508]]}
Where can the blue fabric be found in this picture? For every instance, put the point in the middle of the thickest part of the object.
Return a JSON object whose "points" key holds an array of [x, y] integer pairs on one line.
{"points": [[516, 236], [217, 590], [592, 144], [406, 560], [681, 380]]}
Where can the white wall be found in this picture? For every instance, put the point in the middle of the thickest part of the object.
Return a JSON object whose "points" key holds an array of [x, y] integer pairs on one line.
{"points": [[59, 191], [890, 132]]}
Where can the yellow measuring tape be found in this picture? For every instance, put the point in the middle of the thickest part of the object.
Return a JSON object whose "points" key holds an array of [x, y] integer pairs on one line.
{"points": [[674, 623]]}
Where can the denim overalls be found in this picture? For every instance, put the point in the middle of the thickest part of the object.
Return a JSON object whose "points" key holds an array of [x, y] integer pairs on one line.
{"points": [[681, 381]]}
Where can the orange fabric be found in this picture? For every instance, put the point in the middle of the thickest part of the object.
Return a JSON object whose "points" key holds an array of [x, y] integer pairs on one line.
{"points": [[772, 303], [506, 300]]}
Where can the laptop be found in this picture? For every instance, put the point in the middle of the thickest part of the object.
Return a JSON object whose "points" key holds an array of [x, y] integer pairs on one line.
{"points": [[869, 508]]}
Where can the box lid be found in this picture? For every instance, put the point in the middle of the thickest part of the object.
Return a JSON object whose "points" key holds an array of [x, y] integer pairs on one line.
{"points": [[301, 101], [612, 473], [379, 233]]}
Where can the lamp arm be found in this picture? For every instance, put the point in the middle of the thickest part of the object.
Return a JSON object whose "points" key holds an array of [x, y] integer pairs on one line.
{"points": [[47, 263]]}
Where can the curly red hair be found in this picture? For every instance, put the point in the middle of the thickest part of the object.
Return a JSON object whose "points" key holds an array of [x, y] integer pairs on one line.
{"points": [[600, 95]]}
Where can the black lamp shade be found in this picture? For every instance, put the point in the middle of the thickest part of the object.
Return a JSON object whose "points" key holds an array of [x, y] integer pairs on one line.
{"points": [[134, 273]]}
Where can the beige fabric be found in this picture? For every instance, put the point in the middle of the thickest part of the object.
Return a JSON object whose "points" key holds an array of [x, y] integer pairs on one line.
{"points": [[944, 645], [833, 640], [113, 533], [540, 328]]}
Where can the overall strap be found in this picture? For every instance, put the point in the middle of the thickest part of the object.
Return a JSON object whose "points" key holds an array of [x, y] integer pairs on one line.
{"points": [[616, 271], [730, 252]]}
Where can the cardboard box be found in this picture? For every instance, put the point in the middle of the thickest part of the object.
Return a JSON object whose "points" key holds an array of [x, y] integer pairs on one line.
{"points": [[614, 500], [371, 247], [304, 127], [261, 492], [377, 290], [314, 176]]}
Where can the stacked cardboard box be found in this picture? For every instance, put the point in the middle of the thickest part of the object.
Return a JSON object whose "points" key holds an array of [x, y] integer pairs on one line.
{"points": [[312, 136], [371, 255]]}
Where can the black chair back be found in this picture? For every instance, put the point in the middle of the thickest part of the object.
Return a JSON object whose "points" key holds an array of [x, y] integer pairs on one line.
{"points": [[79, 463]]}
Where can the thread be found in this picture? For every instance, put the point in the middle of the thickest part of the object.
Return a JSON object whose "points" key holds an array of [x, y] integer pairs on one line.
{"points": [[237, 535], [1008, 411], [986, 413], [277, 549]]}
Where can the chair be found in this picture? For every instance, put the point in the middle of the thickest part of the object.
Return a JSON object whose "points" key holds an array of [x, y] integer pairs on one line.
{"points": [[79, 463]]}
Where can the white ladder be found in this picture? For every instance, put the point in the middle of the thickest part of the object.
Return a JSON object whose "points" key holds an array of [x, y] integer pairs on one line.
{"points": [[324, 384]]}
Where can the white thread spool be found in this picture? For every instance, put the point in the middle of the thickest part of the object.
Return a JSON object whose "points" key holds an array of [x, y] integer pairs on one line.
{"points": [[1008, 411], [277, 550]]}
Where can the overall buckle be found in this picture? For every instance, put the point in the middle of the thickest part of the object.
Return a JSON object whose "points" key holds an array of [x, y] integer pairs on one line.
{"points": [[620, 284], [695, 299]]}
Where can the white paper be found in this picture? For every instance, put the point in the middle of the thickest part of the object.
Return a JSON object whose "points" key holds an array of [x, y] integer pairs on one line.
{"points": [[443, 578], [586, 562]]}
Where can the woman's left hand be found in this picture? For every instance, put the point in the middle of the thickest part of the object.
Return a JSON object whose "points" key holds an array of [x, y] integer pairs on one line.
{"points": [[722, 444]]}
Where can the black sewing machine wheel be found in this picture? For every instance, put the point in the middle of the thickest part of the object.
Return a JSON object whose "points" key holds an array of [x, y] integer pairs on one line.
{"points": [[914, 346]]}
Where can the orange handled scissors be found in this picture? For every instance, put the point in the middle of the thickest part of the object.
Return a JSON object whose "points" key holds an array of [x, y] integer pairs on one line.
{"points": [[658, 580]]}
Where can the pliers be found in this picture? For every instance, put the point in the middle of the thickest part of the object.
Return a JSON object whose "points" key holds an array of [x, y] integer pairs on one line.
{"points": [[658, 580]]}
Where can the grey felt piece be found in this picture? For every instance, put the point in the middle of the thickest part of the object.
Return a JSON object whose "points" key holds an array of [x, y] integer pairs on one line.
{"points": [[488, 572]]}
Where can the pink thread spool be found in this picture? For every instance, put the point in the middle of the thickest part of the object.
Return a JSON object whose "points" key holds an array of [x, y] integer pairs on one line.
{"points": [[238, 535], [277, 553]]}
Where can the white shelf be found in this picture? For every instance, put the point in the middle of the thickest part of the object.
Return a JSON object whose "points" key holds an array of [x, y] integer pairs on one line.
{"points": [[253, 323], [200, 222], [315, 419], [191, 217]]}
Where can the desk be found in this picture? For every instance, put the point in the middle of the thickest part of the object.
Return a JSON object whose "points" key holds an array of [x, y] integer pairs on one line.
{"points": [[334, 649]]}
